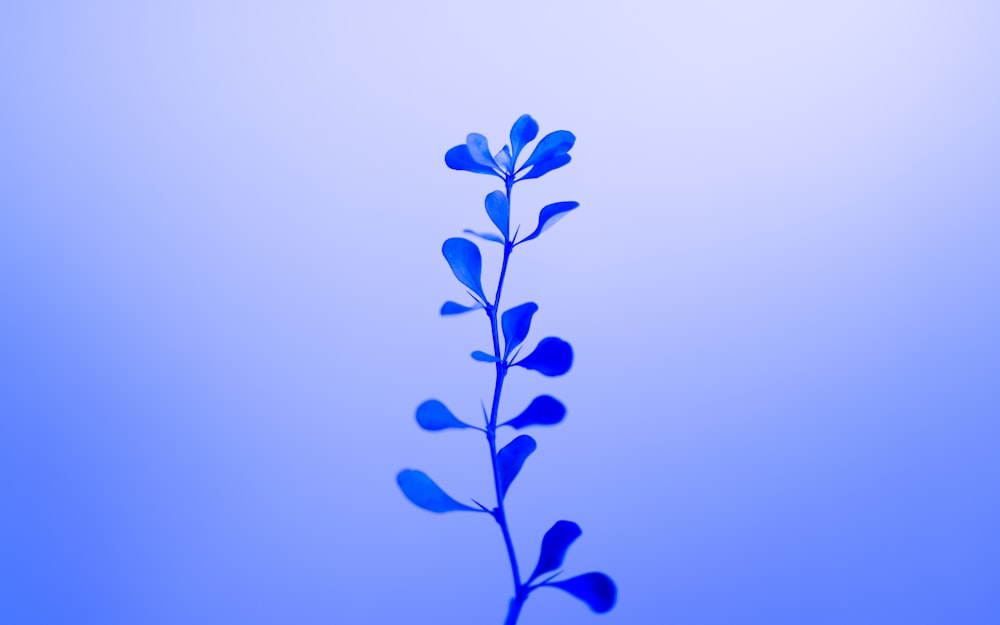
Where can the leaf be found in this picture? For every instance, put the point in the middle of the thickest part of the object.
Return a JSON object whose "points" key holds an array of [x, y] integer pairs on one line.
{"points": [[551, 145], [423, 492], [511, 458], [549, 216], [433, 415], [540, 169], [498, 208], [461, 159], [543, 410], [489, 236], [479, 150], [484, 357], [523, 132], [516, 323], [466, 263], [552, 357], [596, 589], [503, 159], [454, 308], [554, 545]]}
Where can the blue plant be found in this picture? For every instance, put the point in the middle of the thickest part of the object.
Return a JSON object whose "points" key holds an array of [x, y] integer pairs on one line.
{"points": [[552, 356]]}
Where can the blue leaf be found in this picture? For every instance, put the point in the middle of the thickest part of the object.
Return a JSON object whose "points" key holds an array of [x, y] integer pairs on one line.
{"points": [[498, 208], [466, 263], [540, 169], [523, 132], [554, 545], [552, 357], [549, 216], [433, 415], [488, 236], [596, 589], [483, 356], [551, 145], [479, 150], [516, 323], [461, 159], [543, 410], [511, 458], [454, 308], [423, 492], [504, 159]]}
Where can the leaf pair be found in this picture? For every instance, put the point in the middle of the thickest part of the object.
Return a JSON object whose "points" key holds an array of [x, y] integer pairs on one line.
{"points": [[552, 152], [498, 210], [422, 491], [596, 589]]}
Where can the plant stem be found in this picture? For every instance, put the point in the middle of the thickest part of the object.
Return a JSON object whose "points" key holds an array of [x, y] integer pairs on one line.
{"points": [[499, 514], [515, 608]]}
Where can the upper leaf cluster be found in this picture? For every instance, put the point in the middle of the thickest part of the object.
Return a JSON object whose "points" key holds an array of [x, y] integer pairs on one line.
{"points": [[552, 152]]}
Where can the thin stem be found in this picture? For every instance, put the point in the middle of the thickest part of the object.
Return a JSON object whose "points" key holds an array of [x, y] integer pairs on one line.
{"points": [[515, 608], [493, 312]]}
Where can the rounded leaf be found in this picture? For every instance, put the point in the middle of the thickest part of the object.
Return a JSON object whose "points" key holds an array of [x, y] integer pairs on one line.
{"points": [[596, 589], [554, 545], [433, 415], [516, 323], [551, 145], [523, 132], [423, 492], [540, 169], [543, 410], [548, 217], [482, 356], [552, 357], [454, 308], [511, 458], [466, 263], [498, 208], [479, 149], [461, 159]]}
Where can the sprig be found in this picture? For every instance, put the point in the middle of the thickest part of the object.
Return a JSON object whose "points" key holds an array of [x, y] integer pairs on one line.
{"points": [[552, 356]]}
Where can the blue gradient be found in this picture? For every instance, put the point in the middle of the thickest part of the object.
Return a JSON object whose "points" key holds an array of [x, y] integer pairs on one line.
{"points": [[220, 276]]}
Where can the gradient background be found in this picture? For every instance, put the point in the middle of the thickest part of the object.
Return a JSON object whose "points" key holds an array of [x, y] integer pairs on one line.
{"points": [[220, 269]]}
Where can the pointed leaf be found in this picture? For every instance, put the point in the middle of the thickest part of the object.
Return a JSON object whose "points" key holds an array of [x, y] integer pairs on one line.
{"points": [[423, 492], [549, 216], [461, 159], [433, 415], [552, 357], [483, 356], [523, 132], [543, 410], [540, 169], [454, 308], [498, 208], [516, 323], [479, 149], [511, 458], [488, 236], [466, 263], [504, 159], [554, 545], [596, 589], [552, 144]]}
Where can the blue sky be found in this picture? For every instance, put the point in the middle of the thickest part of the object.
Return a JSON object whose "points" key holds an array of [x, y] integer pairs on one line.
{"points": [[220, 270]]}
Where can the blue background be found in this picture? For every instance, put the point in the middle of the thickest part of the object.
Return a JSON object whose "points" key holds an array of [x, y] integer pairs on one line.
{"points": [[220, 270]]}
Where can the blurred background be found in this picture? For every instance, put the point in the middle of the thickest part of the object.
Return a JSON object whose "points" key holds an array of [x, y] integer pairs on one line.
{"points": [[220, 271]]}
